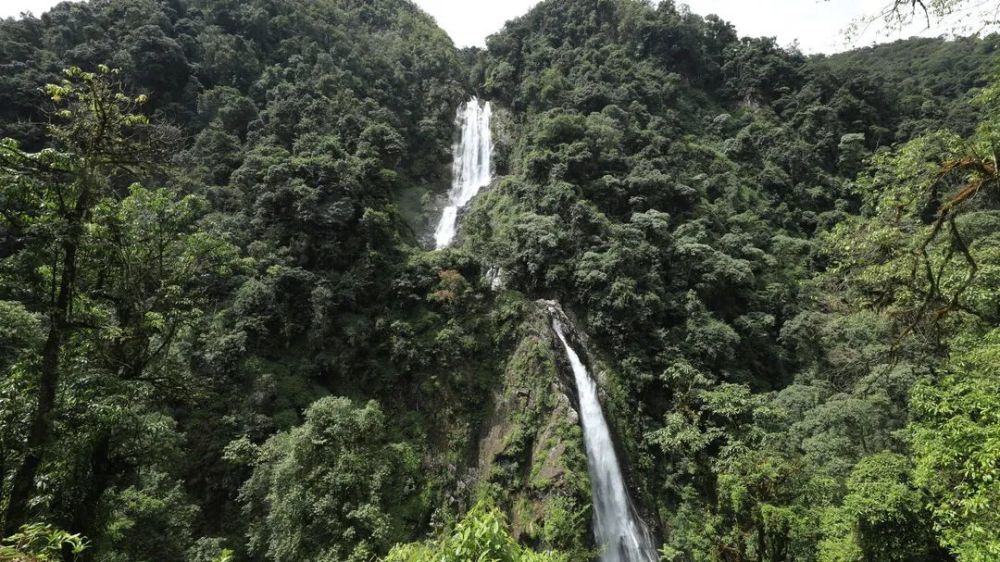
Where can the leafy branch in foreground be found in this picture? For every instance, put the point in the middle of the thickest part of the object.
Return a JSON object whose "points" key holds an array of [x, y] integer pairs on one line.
{"points": [[926, 238], [974, 170], [482, 535], [39, 542], [963, 15]]}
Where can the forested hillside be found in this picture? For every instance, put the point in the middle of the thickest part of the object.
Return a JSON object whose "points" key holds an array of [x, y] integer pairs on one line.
{"points": [[224, 335]]}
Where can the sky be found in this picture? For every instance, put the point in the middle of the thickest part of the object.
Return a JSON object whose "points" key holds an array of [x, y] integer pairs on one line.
{"points": [[817, 25]]}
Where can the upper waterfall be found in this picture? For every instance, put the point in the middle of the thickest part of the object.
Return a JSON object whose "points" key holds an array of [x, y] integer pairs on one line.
{"points": [[471, 167], [617, 529]]}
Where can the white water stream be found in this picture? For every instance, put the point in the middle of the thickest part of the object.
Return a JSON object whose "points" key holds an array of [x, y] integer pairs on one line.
{"points": [[470, 168], [619, 533]]}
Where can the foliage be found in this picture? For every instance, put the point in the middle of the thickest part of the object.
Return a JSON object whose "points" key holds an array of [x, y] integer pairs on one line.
{"points": [[38, 542], [955, 447], [333, 488], [786, 267], [96, 260], [751, 279], [882, 516], [481, 535]]}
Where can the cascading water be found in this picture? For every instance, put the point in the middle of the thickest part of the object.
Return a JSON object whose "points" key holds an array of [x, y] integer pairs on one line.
{"points": [[617, 530], [470, 168]]}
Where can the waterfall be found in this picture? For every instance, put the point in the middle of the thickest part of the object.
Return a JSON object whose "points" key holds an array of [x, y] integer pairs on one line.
{"points": [[617, 529], [470, 169]]}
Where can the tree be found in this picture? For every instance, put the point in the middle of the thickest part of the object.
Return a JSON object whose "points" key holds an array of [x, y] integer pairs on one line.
{"points": [[99, 137], [965, 16], [925, 239], [41, 543], [902, 12], [882, 518], [483, 534], [956, 442], [338, 487]]}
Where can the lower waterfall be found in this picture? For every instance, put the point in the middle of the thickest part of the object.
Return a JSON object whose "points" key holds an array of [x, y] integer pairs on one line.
{"points": [[618, 532]]}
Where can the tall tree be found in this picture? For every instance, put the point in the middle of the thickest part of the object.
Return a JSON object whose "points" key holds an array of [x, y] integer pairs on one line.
{"points": [[100, 140]]}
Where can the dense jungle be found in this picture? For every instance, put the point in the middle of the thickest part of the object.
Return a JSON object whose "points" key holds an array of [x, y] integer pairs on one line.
{"points": [[227, 333]]}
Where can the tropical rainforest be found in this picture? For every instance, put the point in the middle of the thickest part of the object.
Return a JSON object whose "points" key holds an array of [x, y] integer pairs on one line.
{"points": [[225, 335]]}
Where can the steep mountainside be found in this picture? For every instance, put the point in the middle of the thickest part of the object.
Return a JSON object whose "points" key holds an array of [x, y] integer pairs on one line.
{"points": [[240, 346]]}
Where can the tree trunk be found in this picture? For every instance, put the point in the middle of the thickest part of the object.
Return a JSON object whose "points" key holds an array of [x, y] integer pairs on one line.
{"points": [[86, 516], [40, 428], [761, 542]]}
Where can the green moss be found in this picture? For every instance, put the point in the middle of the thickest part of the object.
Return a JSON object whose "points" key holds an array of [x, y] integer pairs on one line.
{"points": [[539, 469]]}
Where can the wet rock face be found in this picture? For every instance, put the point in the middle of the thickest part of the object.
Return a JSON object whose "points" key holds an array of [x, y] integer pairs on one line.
{"points": [[531, 447]]}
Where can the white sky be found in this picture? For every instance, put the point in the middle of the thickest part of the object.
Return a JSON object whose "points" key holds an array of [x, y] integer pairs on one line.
{"points": [[816, 24]]}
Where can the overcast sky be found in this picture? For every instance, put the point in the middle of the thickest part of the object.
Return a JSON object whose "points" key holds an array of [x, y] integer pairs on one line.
{"points": [[817, 25]]}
